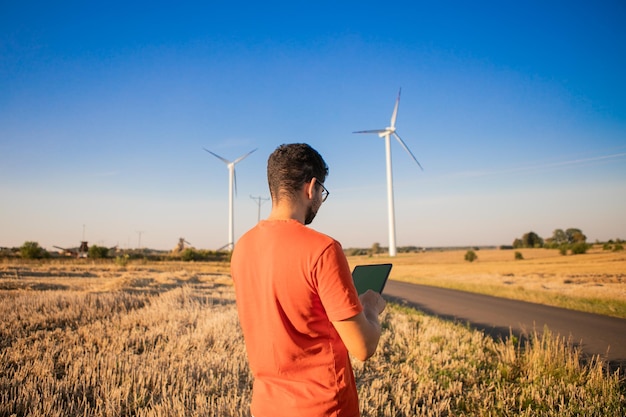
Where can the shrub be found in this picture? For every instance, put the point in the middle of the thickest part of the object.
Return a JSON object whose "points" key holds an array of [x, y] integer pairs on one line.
{"points": [[98, 252], [32, 250], [356, 252], [579, 248], [551, 245], [618, 247], [470, 256], [518, 256], [122, 260], [189, 255], [193, 255]]}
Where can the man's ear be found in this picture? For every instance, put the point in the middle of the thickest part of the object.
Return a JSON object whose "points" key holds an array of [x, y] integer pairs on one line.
{"points": [[310, 188]]}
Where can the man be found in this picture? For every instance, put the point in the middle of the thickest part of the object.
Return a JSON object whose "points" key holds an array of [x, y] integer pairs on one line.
{"points": [[298, 308]]}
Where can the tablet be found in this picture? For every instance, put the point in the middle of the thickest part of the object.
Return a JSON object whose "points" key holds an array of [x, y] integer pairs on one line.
{"points": [[371, 277]]}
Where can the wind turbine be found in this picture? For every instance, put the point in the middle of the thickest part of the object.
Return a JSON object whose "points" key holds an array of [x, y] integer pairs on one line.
{"points": [[386, 133], [232, 180]]}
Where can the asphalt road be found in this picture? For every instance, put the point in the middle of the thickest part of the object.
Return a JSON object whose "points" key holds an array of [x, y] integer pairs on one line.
{"points": [[498, 317]]}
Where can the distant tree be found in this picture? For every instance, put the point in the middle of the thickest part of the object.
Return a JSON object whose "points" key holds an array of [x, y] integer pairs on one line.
{"points": [[559, 236], [375, 248], [517, 243], [32, 250], [532, 240], [575, 236]]}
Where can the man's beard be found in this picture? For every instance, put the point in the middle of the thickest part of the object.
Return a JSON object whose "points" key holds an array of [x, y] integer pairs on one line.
{"points": [[310, 215]]}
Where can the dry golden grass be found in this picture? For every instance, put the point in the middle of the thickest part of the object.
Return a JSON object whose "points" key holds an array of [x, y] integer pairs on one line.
{"points": [[144, 341], [163, 340], [593, 282]]}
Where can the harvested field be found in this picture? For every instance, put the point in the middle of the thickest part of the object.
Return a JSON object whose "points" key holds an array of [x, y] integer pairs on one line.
{"points": [[163, 340], [593, 282]]}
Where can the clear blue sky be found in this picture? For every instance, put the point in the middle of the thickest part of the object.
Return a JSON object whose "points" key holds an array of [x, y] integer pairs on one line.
{"points": [[516, 111]]}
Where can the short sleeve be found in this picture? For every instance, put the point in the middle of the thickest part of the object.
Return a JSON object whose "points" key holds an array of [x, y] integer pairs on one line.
{"points": [[335, 286]]}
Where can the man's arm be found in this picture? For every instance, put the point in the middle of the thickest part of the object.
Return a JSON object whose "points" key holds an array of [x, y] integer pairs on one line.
{"points": [[361, 333]]}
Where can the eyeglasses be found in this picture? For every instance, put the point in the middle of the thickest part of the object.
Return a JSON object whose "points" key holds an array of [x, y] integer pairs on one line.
{"points": [[325, 192]]}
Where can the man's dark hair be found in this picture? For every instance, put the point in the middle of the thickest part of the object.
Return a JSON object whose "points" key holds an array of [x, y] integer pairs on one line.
{"points": [[290, 166]]}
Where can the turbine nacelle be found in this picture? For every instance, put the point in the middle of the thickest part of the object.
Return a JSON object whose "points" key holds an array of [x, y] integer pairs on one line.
{"points": [[231, 164], [388, 131], [391, 130]]}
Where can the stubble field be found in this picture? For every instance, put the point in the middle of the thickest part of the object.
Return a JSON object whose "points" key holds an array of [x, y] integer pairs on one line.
{"points": [[593, 282], [163, 340]]}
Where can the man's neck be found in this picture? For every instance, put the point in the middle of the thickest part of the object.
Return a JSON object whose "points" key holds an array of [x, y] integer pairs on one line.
{"points": [[287, 212]]}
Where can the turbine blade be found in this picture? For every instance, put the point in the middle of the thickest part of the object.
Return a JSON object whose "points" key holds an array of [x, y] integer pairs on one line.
{"points": [[244, 156], [395, 110], [371, 131], [226, 161], [406, 148]]}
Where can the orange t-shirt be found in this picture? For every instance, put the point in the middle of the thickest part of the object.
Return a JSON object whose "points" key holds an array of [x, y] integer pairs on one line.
{"points": [[291, 282]]}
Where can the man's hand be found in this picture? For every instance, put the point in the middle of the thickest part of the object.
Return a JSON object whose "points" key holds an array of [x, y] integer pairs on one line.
{"points": [[371, 300]]}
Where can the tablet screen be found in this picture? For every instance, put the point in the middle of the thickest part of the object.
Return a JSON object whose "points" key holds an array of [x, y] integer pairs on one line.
{"points": [[370, 277]]}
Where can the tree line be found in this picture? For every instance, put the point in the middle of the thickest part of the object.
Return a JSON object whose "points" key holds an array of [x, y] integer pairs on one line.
{"points": [[32, 250], [572, 239]]}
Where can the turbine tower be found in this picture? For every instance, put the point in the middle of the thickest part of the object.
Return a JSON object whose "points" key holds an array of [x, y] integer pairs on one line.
{"points": [[386, 133], [232, 180]]}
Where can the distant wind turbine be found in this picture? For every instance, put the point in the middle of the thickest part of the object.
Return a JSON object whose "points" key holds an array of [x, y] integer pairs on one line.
{"points": [[386, 133], [232, 180]]}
